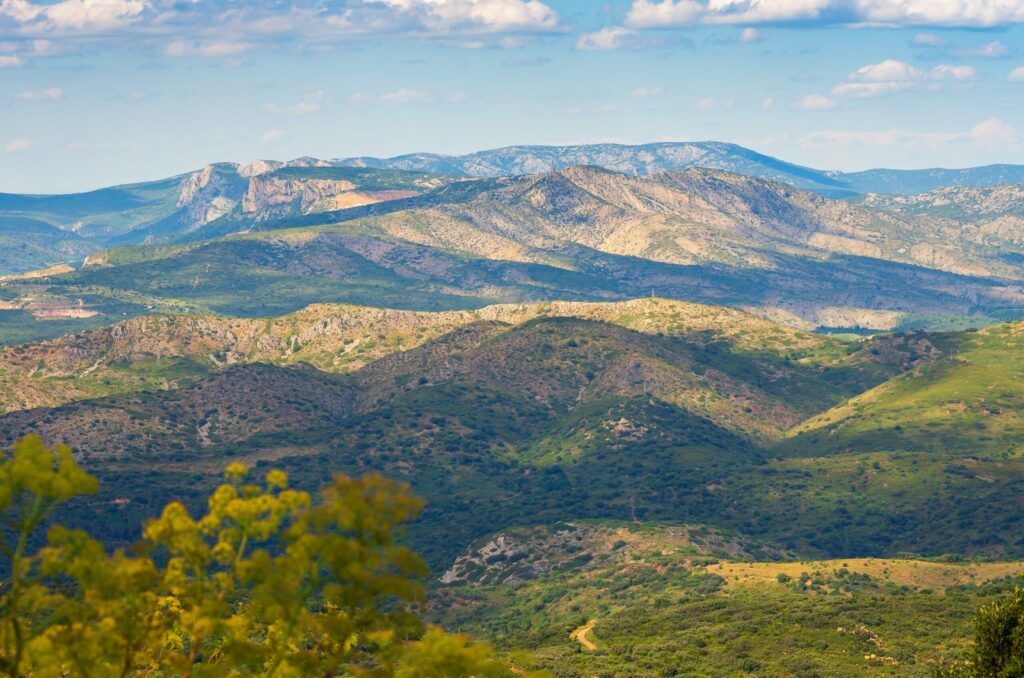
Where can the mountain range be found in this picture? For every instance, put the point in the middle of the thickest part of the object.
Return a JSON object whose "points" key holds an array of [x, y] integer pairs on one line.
{"points": [[302, 235], [662, 416], [227, 197], [649, 410], [658, 157]]}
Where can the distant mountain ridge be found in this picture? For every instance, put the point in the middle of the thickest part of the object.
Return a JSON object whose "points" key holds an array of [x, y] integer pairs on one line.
{"points": [[634, 160], [657, 157], [909, 182], [226, 197], [60, 229], [577, 234]]}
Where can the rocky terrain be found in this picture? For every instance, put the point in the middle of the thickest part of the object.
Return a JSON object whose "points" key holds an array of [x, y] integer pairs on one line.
{"points": [[579, 233], [65, 228], [528, 553], [653, 158], [165, 351]]}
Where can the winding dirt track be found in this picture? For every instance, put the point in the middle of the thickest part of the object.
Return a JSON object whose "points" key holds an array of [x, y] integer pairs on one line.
{"points": [[580, 635]]}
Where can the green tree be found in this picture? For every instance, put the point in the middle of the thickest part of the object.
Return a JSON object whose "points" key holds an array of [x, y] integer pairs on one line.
{"points": [[998, 650], [268, 582]]}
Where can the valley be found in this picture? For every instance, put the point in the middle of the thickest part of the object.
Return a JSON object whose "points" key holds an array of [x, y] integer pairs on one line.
{"points": [[665, 409]]}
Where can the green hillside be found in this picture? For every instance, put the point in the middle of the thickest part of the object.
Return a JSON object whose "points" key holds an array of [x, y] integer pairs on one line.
{"points": [[28, 244], [659, 478], [966, 405], [643, 599], [651, 409]]}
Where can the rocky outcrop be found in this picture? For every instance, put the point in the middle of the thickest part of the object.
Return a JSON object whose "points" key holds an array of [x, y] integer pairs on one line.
{"points": [[522, 554], [270, 195], [258, 167], [209, 194]]}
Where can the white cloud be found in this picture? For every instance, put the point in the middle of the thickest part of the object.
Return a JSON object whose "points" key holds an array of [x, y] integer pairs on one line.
{"points": [[51, 93], [19, 144], [309, 104], [1016, 75], [928, 40], [946, 72], [881, 78], [359, 98], [767, 104], [402, 96], [816, 102], [992, 133], [750, 35], [272, 135], [995, 131], [71, 16], [449, 16], [713, 104], [988, 50], [667, 14], [185, 48], [20, 10], [10, 61], [223, 27], [966, 13], [646, 92], [897, 76], [613, 37]]}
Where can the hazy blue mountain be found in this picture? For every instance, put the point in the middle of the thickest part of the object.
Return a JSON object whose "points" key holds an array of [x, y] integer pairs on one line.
{"points": [[221, 198], [580, 233], [101, 213], [225, 198], [634, 160], [909, 182], [28, 244], [651, 158]]}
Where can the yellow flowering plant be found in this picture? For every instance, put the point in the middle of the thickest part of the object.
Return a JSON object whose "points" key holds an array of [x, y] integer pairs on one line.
{"points": [[268, 582]]}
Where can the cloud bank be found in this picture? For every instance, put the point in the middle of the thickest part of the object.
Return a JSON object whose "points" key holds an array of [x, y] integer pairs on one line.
{"points": [[219, 28], [938, 13]]}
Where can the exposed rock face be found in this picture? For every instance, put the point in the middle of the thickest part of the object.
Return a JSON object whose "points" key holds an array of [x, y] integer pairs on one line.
{"points": [[258, 191], [258, 167], [963, 203], [527, 553], [268, 195], [209, 194]]}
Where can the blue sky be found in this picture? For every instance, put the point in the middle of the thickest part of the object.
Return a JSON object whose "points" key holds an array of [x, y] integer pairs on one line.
{"points": [[98, 92]]}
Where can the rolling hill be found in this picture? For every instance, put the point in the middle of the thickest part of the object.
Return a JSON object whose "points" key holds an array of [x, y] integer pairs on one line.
{"points": [[28, 244], [968, 402], [604, 368], [648, 410], [654, 599], [580, 233], [622, 487]]}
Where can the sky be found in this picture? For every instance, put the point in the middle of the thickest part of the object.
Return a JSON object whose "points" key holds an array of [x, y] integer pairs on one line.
{"points": [[101, 92]]}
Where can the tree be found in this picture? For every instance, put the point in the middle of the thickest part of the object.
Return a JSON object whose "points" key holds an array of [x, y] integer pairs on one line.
{"points": [[269, 582], [998, 650]]}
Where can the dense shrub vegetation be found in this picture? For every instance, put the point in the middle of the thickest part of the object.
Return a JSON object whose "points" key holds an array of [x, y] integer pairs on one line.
{"points": [[267, 582]]}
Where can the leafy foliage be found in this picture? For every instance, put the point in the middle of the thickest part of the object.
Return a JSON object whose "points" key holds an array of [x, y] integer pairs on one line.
{"points": [[998, 650], [267, 582]]}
